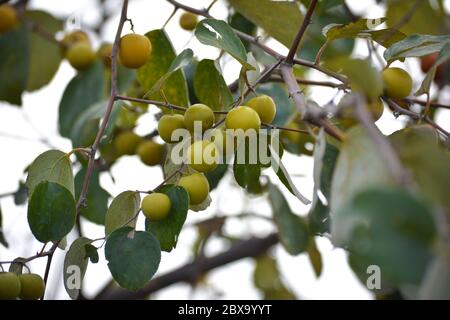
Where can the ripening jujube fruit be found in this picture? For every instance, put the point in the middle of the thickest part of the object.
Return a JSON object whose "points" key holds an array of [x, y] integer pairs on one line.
{"points": [[80, 55], [244, 118], [104, 54], [73, 38], [197, 187], [134, 50], [427, 62], [397, 83], [347, 115], [200, 113], [32, 286], [8, 18], [126, 143], [156, 206], [203, 156], [264, 106], [150, 152], [188, 21], [168, 124], [9, 286]]}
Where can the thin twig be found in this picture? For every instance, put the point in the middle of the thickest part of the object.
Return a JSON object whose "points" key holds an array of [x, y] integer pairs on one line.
{"points": [[301, 32]]}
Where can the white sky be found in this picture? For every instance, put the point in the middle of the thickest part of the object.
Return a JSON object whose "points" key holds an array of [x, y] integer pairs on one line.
{"points": [[38, 117]]}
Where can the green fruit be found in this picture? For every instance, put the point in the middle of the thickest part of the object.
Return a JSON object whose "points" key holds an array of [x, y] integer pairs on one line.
{"points": [[264, 106], [203, 156], [126, 143], [134, 50], [80, 55], [9, 286], [32, 286], [150, 152], [397, 83], [188, 21], [199, 113], [197, 187], [168, 124], [156, 206], [8, 18], [244, 118], [347, 115], [104, 53]]}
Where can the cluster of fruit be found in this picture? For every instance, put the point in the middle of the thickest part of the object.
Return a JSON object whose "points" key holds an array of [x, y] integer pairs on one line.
{"points": [[213, 144], [26, 286]]}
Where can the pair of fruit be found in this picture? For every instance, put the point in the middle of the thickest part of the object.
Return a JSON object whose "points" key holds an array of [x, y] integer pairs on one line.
{"points": [[77, 49], [156, 206], [8, 18], [27, 286], [129, 143]]}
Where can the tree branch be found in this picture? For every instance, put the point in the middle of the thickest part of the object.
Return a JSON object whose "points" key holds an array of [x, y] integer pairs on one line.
{"points": [[190, 272], [301, 32]]}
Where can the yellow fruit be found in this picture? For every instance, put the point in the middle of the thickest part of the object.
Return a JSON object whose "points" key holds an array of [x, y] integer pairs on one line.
{"points": [[397, 83], [197, 187], [134, 50], [291, 136], [347, 115], [203, 156], [150, 152], [242, 118], [199, 113], [9, 286], [8, 18], [264, 106], [32, 286], [104, 54], [126, 143], [224, 142], [168, 124], [72, 38], [80, 55], [188, 21], [156, 206]]}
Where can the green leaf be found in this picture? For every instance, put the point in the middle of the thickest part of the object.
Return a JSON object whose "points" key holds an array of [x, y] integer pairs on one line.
{"points": [[247, 170], [163, 54], [424, 18], [416, 46], [351, 30], [443, 57], [168, 229], [45, 55], [359, 167], [133, 257], [210, 87], [292, 230], [51, 211], [219, 34], [325, 157], [239, 22], [122, 210], [53, 166], [214, 177], [75, 265], [181, 61], [280, 19], [389, 228], [2, 236], [387, 37], [315, 257], [14, 65], [436, 282], [96, 197], [420, 153], [84, 90], [268, 280]]}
